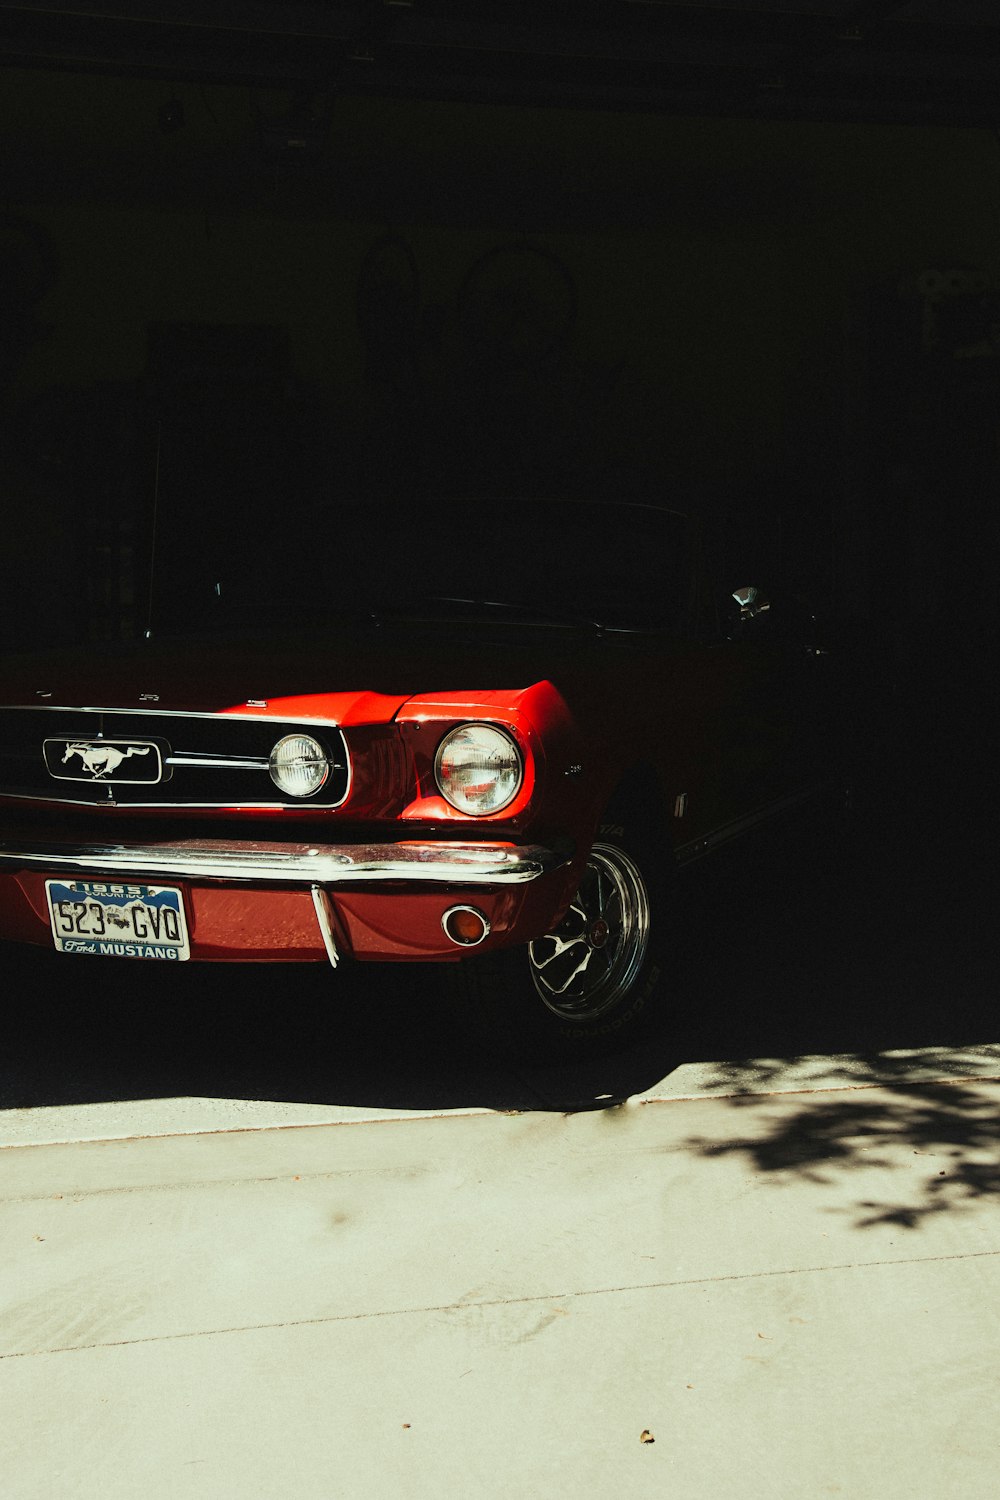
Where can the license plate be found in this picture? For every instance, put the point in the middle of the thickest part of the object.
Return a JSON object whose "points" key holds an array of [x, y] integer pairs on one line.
{"points": [[117, 919]]}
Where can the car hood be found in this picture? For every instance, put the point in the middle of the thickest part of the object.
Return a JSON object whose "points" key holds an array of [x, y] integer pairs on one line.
{"points": [[358, 673]]}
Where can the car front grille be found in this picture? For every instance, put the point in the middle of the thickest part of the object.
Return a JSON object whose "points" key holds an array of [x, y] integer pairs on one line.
{"points": [[156, 759]]}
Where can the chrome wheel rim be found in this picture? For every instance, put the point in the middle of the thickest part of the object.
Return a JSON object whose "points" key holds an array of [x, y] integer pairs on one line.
{"points": [[588, 965]]}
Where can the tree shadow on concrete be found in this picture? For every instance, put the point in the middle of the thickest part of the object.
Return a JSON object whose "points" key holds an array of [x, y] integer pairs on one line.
{"points": [[942, 1131], [864, 995]]}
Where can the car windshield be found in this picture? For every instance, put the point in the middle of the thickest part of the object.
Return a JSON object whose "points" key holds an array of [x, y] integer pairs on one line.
{"points": [[618, 566]]}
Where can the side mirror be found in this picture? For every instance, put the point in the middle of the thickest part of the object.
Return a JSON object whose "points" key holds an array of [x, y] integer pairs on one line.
{"points": [[751, 602]]}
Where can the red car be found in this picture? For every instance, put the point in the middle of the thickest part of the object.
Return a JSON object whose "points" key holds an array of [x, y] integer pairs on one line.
{"points": [[457, 755]]}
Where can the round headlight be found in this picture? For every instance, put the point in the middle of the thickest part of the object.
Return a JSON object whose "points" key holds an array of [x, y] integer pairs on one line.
{"points": [[478, 769], [299, 765]]}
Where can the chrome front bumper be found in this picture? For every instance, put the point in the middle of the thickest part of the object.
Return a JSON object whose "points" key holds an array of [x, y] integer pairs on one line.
{"points": [[292, 864]]}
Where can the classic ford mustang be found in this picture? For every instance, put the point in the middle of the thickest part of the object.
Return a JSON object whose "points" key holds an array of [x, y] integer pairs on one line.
{"points": [[494, 749]]}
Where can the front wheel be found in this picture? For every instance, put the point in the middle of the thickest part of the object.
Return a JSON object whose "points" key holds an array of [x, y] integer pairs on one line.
{"points": [[598, 979]]}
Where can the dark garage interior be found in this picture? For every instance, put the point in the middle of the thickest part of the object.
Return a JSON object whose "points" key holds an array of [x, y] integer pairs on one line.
{"points": [[740, 258]]}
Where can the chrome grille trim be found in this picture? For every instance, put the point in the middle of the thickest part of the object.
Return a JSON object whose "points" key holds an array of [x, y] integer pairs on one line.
{"points": [[234, 805], [219, 762]]}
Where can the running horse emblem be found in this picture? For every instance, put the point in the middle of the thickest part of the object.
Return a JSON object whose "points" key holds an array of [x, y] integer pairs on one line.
{"points": [[100, 760]]}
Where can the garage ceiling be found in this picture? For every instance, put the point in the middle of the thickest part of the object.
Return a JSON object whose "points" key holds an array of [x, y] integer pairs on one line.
{"points": [[922, 62]]}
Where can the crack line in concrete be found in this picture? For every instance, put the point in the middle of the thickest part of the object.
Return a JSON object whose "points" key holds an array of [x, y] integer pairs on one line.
{"points": [[404, 1312]]}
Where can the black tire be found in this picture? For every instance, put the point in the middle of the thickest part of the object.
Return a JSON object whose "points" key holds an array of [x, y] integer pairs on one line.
{"points": [[604, 977]]}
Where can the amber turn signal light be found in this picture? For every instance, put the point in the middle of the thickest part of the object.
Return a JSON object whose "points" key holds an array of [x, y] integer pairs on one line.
{"points": [[465, 925]]}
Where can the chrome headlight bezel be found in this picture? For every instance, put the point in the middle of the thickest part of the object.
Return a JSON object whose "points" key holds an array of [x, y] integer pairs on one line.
{"points": [[318, 758], [506, 746]]}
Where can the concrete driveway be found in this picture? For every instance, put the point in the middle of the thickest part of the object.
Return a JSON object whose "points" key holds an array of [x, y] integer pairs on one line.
{"points": [[705, 1292]]}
